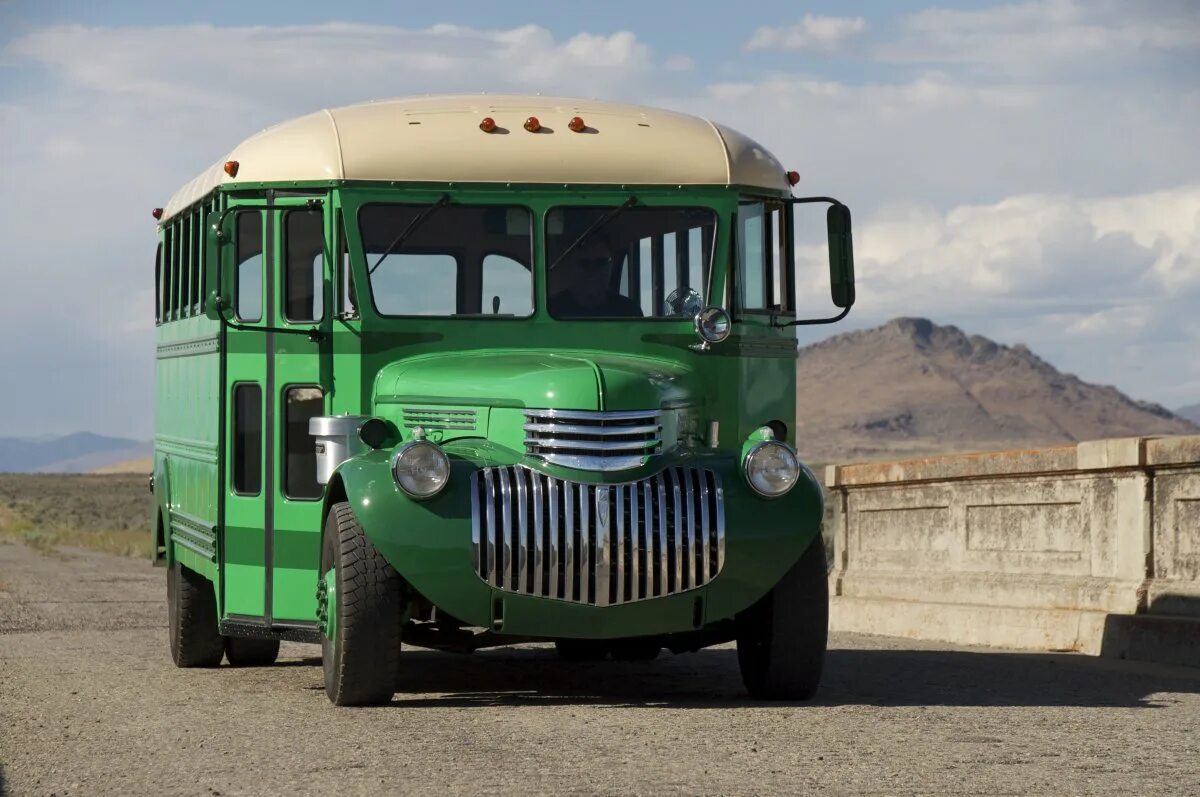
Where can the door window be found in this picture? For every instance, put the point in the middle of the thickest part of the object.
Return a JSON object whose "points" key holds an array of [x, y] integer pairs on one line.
{"points": [[248, 297], [247, 439], [304, 266], [763, 279], [301, 404]]}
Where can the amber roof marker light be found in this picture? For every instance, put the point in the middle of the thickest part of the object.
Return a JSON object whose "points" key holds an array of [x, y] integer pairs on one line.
{"points": [[793, 177], [231, 168], [532, 124], [488, 125], [577, 124]]}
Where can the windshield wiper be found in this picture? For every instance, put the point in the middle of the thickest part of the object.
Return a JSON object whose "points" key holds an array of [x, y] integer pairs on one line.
{"points": [[595, 225], [417, 221]]}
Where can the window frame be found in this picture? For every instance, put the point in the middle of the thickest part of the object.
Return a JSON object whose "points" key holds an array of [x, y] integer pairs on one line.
{"points": [[457, 259]]}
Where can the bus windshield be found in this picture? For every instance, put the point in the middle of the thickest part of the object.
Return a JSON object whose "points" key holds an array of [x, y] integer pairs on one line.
{"points": [[643, 262], [451, 260]]}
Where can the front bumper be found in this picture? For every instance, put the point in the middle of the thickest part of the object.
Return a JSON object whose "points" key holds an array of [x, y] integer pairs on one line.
{"points": [[436, 546]]}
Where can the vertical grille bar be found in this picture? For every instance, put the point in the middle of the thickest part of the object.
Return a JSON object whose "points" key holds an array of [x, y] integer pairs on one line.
{"points": [[663, 549], [539, 544], [689, 497], [476, 521], [569, 514], [552, 489], [603, 530], [599, 544], [720, 494], [585, 543], [635, 577], [506, 567], [521, 532], [705, 553], [620, 562]]}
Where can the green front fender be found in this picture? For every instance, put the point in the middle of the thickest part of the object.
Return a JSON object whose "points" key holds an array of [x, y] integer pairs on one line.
{"points": [[430, 545]]}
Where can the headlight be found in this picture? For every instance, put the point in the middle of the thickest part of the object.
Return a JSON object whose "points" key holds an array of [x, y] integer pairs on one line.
{"points": [[771, 468], [420, 468]]}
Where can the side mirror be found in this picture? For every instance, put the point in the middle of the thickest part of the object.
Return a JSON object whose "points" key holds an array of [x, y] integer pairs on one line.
{"points": [[213, 302], [841, 255]]}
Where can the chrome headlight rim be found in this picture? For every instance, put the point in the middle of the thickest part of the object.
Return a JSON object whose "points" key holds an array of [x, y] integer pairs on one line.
{"points": [[758, 450], [410, 446]]}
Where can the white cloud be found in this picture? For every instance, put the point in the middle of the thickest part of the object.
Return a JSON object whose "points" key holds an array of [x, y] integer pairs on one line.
{"points": [[1025, 38], [810, 33]]}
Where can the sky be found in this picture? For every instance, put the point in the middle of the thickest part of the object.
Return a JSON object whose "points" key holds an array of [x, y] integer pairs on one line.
{"points": [[1026, 171]]}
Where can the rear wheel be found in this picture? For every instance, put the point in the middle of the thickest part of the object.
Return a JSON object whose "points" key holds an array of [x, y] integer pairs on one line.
{"points": [[243, 652], [582, 649], [360, 598], [196, 640], [781, 639]]}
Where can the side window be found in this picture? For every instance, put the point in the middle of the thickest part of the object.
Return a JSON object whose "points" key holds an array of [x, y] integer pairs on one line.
{"points": [[197, 262], [248, 298], [186, 266], [304, 269], [299, 447], [177, 251], [506, 287], [168, 271], [247, 439], [763, 275], [416, 284], [158, 291]]}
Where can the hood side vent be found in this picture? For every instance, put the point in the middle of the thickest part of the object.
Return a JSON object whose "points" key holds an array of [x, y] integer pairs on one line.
{"points": [[450, 420]]}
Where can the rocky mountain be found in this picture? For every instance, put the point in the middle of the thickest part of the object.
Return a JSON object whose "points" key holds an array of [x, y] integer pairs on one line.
{"points": [[80, 452], [912, 387], [1191, 412]]}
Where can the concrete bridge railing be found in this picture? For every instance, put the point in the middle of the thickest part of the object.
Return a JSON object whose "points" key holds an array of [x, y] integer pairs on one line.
{"points": [[1092, 547]]}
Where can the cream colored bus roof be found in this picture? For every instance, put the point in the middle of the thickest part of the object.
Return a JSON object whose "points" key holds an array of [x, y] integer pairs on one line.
{"points": [[437, 139]]}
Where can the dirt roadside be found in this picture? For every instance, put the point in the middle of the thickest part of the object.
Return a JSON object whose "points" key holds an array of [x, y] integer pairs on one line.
{"points": [[90, 704]]}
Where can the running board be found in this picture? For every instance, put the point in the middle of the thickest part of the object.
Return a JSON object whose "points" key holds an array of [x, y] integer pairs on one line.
{"points": [[287, 632]]}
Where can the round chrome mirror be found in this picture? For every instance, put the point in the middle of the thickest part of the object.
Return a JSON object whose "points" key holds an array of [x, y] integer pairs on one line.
{"points": [[712, 324]]}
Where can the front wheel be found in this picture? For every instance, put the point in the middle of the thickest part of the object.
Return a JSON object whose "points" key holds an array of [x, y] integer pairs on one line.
{"points": [[360, 605], [781, 639]]}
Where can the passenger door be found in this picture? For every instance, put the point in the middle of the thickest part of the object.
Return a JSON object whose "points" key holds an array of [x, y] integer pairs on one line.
{"points": [[277, 366]]}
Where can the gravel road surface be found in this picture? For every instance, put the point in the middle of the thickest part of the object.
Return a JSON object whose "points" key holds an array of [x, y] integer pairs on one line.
{"points": [[91, 704]]}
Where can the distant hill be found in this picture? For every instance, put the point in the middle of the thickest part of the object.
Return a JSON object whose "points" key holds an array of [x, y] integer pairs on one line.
{"points": [[912, 387], [80, 452], [1190, 412]]}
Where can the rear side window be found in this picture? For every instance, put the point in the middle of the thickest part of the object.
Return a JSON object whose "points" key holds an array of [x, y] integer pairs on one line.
{"points": [[247, 439]]}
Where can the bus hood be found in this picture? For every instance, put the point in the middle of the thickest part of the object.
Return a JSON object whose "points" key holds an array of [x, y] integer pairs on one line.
{"points": [[577, 381]]}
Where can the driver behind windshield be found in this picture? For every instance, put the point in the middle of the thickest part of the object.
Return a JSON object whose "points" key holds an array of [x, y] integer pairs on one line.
{"points": [[581, 286]]}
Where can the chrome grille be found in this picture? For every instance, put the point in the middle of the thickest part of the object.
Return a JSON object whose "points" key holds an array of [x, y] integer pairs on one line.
{"points": [[593, 440], [599, 544], [439, 418]]}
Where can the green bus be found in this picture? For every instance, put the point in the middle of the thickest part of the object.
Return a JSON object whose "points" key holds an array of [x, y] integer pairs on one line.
{"points": [[465, 371]]}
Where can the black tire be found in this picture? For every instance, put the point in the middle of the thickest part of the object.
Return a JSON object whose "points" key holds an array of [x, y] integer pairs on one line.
{"points": [[196, 640], [362, 658], [636, 649], [244, 652], [781, 639], [582, 649]]}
